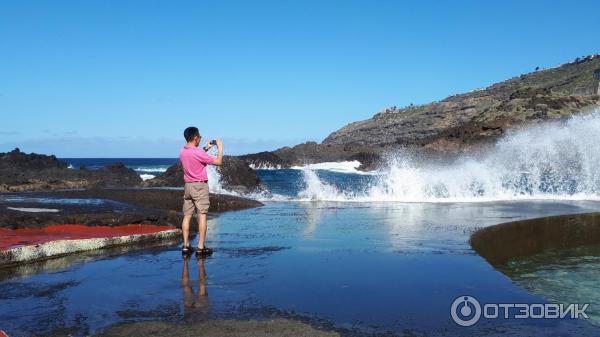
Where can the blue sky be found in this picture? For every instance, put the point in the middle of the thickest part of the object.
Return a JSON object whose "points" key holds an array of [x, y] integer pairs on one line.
{"points": [[124, 78]]}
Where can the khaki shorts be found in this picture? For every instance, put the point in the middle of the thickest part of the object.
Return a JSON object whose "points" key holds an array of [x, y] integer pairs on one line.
{"points": [[195, 198]]}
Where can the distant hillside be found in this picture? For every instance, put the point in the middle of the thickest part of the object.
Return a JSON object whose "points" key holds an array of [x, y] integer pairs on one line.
{"points": [[462, 120], [458, 123]]}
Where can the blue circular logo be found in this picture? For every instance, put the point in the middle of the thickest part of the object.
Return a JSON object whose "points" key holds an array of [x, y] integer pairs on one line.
{"points": [[465, 310]]}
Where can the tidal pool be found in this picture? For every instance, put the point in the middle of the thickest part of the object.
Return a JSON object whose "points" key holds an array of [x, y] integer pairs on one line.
{"points": [[562, 276], [358, 268]]}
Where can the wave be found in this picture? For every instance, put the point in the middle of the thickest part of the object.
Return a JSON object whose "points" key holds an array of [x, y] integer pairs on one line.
{"points": [[151, 169], [146, 176], [214, 182], [340, 167], [553, 160]]}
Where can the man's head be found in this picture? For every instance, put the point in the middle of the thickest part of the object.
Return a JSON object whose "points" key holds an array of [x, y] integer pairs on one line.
{"points": [[192, 135]]}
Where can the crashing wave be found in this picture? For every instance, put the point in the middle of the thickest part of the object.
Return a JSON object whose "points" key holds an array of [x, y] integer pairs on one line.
{"points": [[554, 160]]}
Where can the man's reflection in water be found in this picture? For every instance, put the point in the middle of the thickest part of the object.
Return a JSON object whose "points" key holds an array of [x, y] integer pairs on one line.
{"points": [[195, 305]]}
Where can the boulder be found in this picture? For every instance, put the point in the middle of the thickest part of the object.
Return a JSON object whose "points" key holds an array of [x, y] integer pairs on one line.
{"points": [[235, 175], [114, 175]]}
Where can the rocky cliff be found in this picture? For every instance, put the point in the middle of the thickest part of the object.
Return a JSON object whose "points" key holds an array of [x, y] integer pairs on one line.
{"points": [[458, 123]]}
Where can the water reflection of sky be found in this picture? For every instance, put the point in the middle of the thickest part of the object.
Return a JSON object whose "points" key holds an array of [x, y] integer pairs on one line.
{"points": [[365, 267]]}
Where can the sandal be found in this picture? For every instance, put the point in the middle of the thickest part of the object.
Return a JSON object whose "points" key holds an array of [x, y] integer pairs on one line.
{"points": [[204, 251], [186, 250]]}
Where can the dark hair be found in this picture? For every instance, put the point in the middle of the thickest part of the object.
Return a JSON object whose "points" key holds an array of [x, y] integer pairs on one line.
{"points": [[190, 133]]}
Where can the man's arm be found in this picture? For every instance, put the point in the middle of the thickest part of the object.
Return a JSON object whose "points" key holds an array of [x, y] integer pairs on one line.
{"points": [[219, 160]]}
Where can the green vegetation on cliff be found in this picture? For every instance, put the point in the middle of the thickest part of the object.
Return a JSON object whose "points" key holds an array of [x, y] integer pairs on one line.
{"points": [[461, 121]]}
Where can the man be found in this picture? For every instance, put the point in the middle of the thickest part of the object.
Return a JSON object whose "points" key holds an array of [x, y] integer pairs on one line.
{"points": [[195, 196]]}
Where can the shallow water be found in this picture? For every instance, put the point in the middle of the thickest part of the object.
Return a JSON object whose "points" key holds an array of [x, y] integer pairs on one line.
{"points": [[358, 268], [562, 276]]}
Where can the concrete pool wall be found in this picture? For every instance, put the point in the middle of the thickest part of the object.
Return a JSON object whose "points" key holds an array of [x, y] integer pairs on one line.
{"points": [[40, 248], [500, 243]]}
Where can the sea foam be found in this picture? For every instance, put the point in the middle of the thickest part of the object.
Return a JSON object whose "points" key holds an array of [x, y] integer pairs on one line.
{"points": [[553, 160]]}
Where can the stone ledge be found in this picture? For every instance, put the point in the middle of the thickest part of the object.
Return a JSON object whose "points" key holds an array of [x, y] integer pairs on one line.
{"points": [[56, 248], [500, 243]]}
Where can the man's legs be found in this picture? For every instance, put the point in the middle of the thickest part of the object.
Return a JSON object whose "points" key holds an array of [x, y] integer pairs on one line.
{"points": [[185, 228], [201, 229], [188, 210]]}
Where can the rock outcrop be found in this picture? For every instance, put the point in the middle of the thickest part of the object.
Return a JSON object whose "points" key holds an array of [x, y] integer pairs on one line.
{"points": [[312, 152], [235, 175], [34, 172]]}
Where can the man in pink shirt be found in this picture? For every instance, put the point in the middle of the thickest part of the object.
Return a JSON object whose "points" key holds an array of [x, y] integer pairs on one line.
{"points": [[195, 196]]}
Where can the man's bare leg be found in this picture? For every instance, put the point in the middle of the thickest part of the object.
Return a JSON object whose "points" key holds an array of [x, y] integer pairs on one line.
{"points": [[201, 229], [185, 228]]}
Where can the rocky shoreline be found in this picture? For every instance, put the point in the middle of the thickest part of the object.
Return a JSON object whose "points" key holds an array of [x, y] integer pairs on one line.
{"points": [[21, 172], [106, 207]]}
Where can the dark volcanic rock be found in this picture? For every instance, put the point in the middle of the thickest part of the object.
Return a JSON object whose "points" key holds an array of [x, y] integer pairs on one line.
{"points": [[265, 160], [235, 173], [115, 175], [312, 152], [172, 177], [140, 206], [368, 161], [16, 159], [33, 172], [16, 219], [161, 199]]}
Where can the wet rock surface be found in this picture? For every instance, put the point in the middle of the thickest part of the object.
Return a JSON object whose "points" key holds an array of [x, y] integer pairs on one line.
{"points": [[499, 244], [279, 327], [112, 207]]}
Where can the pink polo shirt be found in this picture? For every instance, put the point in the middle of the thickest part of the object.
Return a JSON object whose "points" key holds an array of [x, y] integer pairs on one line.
{"points": [[194, 162]]}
